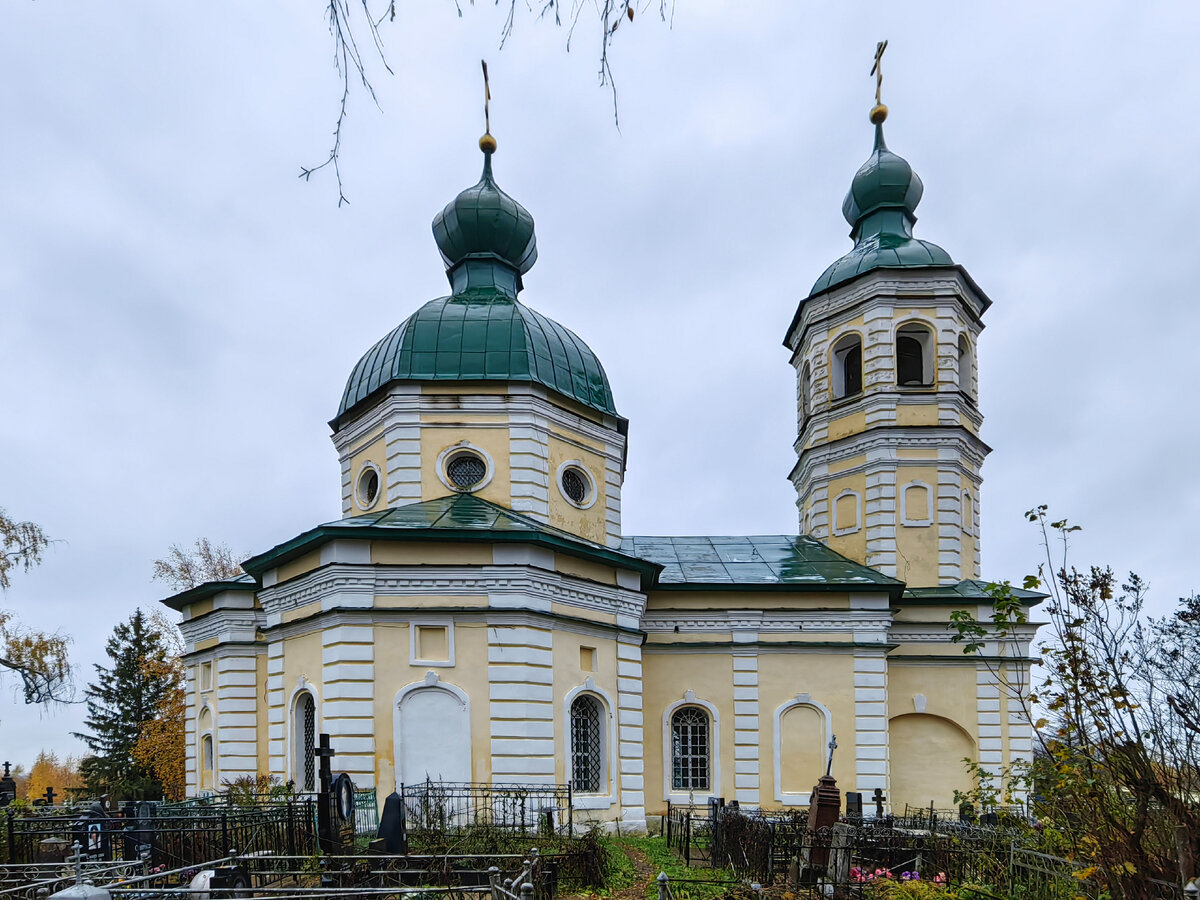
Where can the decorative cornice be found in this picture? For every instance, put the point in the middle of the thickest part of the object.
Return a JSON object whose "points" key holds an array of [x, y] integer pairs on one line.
{"points": [[489, 580]]}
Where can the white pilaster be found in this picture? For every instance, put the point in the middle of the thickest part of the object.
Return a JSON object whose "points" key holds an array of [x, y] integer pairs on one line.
{"points": [[747, 733], [347, 699], [520, 697]]}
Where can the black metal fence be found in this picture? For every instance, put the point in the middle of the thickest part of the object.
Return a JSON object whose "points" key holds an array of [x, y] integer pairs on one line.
{"points": [[171, 840], [434, 809]]}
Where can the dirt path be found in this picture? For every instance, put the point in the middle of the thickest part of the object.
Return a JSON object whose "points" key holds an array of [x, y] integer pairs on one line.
{"points": [[644, 874]]}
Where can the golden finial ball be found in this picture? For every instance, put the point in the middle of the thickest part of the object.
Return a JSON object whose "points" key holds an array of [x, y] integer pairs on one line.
{"points": [[487, 143], [878, 113]]}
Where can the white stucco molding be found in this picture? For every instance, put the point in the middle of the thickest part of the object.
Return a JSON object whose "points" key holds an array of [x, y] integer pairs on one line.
{"points": [[431, 682], [839, 527], [436, 622], [467, 447], [593, 491], [714, 750], [608, 772], [303, 686], [905, 518], [790, 798]]}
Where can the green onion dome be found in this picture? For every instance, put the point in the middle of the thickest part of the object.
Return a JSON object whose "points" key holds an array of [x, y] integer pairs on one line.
{"points": [[482, 332], [880, 207]]}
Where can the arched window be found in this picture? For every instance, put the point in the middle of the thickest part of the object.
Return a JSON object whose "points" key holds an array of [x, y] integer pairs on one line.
{"points": [[847, 367], [690, 754], [914, 356], [304, 736], [966, 364], [587, 744], [206, 767]]}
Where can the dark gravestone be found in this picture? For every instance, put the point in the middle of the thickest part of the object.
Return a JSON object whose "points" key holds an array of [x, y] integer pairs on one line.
{"points": [[325, 836], [8, 786], [854, 807], [966, 812], [989, 819], [391, 824]]}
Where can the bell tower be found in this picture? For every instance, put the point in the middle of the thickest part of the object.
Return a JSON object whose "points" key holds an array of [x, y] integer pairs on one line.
{"points": [[887, 445]]}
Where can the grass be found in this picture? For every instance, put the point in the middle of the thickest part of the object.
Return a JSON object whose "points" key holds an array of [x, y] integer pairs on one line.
{"points": [[687, 882]]}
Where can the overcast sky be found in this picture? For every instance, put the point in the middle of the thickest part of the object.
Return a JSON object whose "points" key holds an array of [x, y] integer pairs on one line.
{"points": [[180, 312]]}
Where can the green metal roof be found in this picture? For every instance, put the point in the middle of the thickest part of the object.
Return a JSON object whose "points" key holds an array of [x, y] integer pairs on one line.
{"points": [[482, 335], [482, 332], [242, 582], [970, 590], [759, 562], [880, 207], [459, 517]]}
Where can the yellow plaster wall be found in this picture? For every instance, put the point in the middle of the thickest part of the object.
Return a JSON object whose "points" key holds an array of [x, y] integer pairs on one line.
{"points": [[828, 678], [393, 672], [568, 675], [949, 691], [917, 546], [494, 440], [917, 414], [431, 601], [854, 544], [927, 754], [851, 423], [298, 566], [420, 553], [665, 679], [841, 465], [587, 523], [804, 752], [584, 568]]}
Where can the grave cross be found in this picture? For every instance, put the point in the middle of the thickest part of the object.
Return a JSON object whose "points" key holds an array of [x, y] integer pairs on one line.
{"points": [[832, 747], [50, 794], [324, 753], [878, 798], [7, 765]]}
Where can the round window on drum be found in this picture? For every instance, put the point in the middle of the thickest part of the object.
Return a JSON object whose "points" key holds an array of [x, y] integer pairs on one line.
{"points": [[576, 485], [466, 470], [367, 487]]}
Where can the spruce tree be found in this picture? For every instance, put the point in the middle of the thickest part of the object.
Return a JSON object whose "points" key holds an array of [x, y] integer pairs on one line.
{"points": [[124, 695]]}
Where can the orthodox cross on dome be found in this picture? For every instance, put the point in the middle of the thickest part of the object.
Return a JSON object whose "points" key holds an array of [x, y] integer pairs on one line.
{"points": [[879, 111], [487, 143]]}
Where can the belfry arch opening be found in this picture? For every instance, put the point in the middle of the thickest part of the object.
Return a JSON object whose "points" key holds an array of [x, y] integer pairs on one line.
{"points": [[847, 367], [966, 366], [914, 355]]}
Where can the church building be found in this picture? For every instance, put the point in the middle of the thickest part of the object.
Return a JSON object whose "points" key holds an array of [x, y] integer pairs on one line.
{"points": [[478, 613]]}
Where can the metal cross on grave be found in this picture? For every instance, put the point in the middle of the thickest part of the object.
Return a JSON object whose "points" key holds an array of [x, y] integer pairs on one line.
{"points": [[324, 753], [878, 798], [832, 747], [7, 766], [50, 795]]}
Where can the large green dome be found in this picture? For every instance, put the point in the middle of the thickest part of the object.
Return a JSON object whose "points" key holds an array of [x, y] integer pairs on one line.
{"points": [[482, 332], [881, 209]]}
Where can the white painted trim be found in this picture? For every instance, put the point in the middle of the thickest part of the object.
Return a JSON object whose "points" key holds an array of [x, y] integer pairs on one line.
{"points": [[839, 529], [211, 734], [790, 798], [839, 346], [431, 681], [929, 493], [608, 772], [380, 487], [593, 493], [444, 457], [303, 686], [714, 750], [414, 660]]}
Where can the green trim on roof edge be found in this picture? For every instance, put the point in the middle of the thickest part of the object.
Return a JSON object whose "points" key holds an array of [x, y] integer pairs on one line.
{"points": [[208, 589]]}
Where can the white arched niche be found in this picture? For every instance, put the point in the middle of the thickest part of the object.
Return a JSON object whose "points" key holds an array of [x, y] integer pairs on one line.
{"points": [[432, 732], [797, 798]]}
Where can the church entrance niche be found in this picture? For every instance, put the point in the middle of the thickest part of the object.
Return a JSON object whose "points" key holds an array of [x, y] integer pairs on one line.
{"points": [[433, 736], [927, 754]]}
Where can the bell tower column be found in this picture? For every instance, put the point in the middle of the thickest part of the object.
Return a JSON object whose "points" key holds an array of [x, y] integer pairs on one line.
{"points": [[888, 448]]}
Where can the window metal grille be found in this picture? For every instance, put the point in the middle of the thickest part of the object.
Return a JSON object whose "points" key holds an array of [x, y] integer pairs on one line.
{"points": [[587, 746], [689, 750], [465, 470], [575, 485], [307, 711]]}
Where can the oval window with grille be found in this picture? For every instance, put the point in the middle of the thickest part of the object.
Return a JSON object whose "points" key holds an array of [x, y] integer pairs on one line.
{"points": [[575, 485], [368, 487], [466, 470]]}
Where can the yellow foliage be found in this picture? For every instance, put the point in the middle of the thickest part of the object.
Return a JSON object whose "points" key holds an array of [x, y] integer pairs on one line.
{"points": [[49, 771], [161, 743]]}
